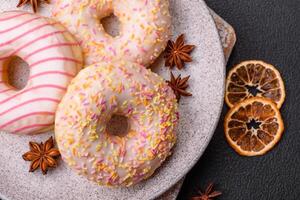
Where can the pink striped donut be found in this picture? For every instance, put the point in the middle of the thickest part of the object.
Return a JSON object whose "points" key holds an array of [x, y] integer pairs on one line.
{"points": [[54, 58]]}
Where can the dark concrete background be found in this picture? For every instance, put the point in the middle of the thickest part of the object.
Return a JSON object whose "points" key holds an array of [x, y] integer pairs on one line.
{"points": [[268, 30]]}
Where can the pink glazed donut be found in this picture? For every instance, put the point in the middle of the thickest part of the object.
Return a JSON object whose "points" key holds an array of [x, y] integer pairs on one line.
{"points": [[54, 57], [144, 28]]}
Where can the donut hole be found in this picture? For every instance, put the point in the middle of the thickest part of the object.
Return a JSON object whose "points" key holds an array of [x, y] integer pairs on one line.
{"points": [[111, 25], [17, 72], [118, 125]]}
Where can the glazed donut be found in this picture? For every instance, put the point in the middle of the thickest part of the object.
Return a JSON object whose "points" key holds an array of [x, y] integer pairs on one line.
{"points": [[144, 30], [97, 94], [53, 57]]}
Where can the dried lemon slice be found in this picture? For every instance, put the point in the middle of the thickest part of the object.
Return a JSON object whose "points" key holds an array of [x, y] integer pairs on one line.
{"points": [[253, 126], [254, 78]]}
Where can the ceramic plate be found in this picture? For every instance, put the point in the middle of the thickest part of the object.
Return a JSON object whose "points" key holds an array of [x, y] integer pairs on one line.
{"points": [[199, 115]]}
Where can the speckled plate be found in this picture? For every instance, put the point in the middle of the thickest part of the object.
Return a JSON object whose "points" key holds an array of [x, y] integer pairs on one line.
{"points": [[198, 118]]}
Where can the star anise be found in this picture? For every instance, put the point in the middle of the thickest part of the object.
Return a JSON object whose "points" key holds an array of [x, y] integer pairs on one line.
{"points": [[179, 85], [177, 53], [209, 194], [42, 155], [34, 3]]}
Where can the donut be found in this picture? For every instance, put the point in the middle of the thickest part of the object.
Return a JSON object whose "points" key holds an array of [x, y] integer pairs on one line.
{"points": [[95, 96], [144, 28], [53, 56]]}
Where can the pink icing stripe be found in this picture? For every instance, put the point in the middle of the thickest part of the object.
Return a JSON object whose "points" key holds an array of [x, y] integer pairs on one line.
{"points": [[51, 72], [31, 42], [2, 91], [19, 25], [25, 116], [13, 16], [27, 32], [48, 47], [33, 88], [54, 59], [28, 102], [31, 126]]}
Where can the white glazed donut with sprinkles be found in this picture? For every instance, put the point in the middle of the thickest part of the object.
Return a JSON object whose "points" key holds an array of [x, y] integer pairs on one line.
{"points": [[54, 57], [97, 94], [144, 28]]}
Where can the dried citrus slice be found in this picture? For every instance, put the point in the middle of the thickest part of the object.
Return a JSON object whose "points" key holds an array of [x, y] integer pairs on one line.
{"points": [[254, 78], [253, 126]]}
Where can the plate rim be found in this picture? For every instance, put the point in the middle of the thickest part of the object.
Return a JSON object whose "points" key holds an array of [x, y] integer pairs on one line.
{"points": [[217, 119]]}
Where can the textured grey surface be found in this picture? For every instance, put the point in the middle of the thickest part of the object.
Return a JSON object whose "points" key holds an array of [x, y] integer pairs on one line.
{"points": [[199, 115], [267, 30]]}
